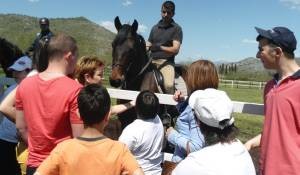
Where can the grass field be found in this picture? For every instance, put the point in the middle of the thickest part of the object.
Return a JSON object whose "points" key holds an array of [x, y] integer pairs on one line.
{"points": [[249, 125]]}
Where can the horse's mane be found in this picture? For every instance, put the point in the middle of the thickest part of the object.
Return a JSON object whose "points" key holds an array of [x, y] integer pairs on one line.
{"points": [[9, 53]]}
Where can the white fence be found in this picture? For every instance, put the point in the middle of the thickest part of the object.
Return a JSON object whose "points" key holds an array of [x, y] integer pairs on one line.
{"points": [[242, 84], [239, 107]]}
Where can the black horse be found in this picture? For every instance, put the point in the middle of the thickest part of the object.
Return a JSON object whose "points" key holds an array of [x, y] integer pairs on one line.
{"points": [[131, 67], [9, 53]]}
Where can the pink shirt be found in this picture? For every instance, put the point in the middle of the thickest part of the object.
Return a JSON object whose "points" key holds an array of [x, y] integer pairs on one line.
{"points": [[280, 144], [49, 109]]}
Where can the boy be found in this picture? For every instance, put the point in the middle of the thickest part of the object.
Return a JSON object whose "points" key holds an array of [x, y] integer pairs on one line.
{"points": [[91, 153], [145, 135]]}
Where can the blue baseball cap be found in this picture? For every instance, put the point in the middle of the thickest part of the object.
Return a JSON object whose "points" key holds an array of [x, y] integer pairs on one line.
{"points": [[21, 64], [280, 36]]}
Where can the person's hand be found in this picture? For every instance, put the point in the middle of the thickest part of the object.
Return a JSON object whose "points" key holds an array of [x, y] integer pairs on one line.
{"points": [[132, 103], [178, 96], [248, 145], [155, 47], [169, 130], [168, 43], [252, 143]]}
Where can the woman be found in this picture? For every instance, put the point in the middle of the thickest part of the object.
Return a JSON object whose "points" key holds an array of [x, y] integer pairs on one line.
{"points": [[186, 136], [90, 70]]}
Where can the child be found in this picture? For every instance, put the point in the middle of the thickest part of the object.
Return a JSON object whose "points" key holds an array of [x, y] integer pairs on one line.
{"points": [[145, 135], [223, 153], [91, 153], [90, 70]]}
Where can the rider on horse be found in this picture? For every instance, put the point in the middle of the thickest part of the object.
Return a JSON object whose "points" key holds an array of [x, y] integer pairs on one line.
{"points": [[164, 43], [44, 35]]}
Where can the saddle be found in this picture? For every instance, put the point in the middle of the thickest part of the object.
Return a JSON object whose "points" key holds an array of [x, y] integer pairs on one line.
{"points": [[159, 77]]}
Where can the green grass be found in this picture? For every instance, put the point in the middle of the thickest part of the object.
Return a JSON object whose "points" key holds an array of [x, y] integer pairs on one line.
{"points": [[253, 95], [249, 125]]}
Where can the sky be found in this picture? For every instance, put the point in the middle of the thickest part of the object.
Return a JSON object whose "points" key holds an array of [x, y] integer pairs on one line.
{"points": [[218, 30]]}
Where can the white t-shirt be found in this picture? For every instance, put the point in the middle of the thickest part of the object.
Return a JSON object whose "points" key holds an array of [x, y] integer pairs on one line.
{"points": [[218, 159], [144, 139]]}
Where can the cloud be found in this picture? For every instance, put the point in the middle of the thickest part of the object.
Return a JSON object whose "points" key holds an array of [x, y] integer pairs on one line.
{"points": [[292, 4], [108, 25], [33, 0], [142, 28], [249, 41], [126, 3]]}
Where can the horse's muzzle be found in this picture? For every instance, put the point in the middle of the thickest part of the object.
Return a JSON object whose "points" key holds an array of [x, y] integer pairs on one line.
{"points": [[115, 83]]}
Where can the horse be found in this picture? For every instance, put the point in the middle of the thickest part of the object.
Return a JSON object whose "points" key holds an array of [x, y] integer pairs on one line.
{"points": [[132, 68], [9, 53]]}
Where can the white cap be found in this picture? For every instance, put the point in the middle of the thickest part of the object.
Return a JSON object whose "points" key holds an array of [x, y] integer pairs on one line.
{"points": [[211, 106], [21, 64]]}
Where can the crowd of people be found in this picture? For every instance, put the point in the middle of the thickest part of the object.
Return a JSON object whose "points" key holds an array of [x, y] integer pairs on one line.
{"points": [[59, 109]]}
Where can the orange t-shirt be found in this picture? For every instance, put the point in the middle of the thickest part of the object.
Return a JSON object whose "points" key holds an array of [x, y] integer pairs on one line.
{"points": [[75, 156]]}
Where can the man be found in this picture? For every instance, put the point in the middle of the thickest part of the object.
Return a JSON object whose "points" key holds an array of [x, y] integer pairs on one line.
{"points": [[91, 153], [144, 136], [45, 35], [280, 139], [164, 42], [46, 105], [223, 153], [8, 131]]}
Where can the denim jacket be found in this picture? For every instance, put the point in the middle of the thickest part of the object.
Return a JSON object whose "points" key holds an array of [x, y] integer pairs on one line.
{"points": [[186, 130]]}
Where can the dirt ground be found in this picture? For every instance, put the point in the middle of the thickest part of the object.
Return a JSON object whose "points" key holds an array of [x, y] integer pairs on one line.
{"points": [[255, 157]]}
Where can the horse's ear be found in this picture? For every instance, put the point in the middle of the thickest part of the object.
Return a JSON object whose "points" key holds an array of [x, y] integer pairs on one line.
{"points": [[134, 26], [118, 24]]}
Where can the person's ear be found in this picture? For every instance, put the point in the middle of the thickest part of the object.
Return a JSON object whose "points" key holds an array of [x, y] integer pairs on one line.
{"points": [[107, 116], [68, 56], [278, 52], [87, 78]]}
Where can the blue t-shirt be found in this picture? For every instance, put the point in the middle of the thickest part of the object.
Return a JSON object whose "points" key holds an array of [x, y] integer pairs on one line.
{"points": [[8, 130]]}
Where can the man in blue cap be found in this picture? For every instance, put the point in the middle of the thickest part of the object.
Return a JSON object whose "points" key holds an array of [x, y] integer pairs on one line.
{"points": [[280, 139], [8, 131]]}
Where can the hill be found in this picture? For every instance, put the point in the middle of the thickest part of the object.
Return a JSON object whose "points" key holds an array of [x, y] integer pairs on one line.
{"points": [[92, 39], [248, 69]]}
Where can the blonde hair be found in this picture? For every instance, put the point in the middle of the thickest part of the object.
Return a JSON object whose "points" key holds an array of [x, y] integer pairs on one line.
{"points": [[87, 65]]}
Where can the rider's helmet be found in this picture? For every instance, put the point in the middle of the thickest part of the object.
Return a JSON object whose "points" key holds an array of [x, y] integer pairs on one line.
{"points": [[44, 21]]}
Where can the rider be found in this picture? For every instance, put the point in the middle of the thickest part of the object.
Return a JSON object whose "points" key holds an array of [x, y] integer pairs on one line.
{"points": [[164, 43], [45, 35]]}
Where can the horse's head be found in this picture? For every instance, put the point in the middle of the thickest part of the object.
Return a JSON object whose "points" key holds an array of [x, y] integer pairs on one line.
{"points": [[124, 51], [9, 53]]}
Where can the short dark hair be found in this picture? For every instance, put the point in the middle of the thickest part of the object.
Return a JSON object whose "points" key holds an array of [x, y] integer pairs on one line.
{"points": [[213, 135], [147, 105], [170, 6], [93, 103]]}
